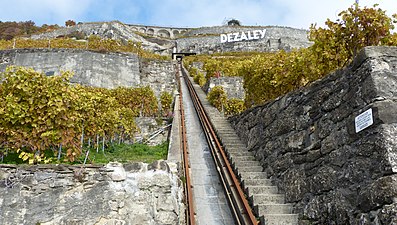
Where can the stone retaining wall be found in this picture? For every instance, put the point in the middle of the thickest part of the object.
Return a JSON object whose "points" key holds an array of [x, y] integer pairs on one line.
{"points": [[159, 74], [134, 193], [308, 145], [107, 70], [233, 86]]}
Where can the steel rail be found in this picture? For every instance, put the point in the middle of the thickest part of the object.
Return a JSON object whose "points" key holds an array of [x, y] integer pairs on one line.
{"points": [[239, 205], [190, 218]]}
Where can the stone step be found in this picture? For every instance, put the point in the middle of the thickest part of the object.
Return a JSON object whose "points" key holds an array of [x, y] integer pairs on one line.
{"points": [[239, 153], [222, 124], [254, 190], [214, 114], [232, 143], [252, 175], [229, 138], [264, 209], [227, 132], [280, 219], [256, 182], [238, 164], [219, 116], [223, 128], [242, 158], [250, 169], [235, 148], [267, 199], [225, 138]]}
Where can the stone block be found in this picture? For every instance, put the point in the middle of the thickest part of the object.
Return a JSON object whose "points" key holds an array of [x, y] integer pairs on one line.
{"points": [[118, 172]]}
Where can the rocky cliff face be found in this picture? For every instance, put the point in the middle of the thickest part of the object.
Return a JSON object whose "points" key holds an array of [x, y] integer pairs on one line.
{"points": [[134, 193], [308, 144]]}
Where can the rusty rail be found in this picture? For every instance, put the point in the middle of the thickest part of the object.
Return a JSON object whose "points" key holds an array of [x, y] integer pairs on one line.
{"points": [[188, 186], [239, 205]]}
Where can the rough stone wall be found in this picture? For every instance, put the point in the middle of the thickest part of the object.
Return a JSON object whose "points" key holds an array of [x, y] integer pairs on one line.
{"points": [[151, 130], [134, 193], [233, 86], [159, 75], [307, 144], [276, 38], [107, 70]]}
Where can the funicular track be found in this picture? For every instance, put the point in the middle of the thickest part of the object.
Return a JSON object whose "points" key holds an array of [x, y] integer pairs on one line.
{"points": [[240, 208], [190, 219]]}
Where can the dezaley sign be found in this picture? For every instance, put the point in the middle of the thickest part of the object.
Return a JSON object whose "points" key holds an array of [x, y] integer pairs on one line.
{"points": [[242, 36]]}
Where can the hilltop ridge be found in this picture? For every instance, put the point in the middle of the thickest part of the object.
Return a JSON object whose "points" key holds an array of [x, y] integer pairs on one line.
{"points": [[202, 40]]}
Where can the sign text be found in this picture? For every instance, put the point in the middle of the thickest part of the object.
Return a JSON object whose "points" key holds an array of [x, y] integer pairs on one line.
{"points": [[242, 36]]}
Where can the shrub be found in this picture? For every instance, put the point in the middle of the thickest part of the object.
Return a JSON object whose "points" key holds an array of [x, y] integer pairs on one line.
{"points": [[166, 101], [234, 106], [217, 97], [200, 79]]}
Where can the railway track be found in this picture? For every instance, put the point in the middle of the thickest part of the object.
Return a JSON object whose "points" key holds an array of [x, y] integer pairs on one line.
{"points": [[240, 207]]}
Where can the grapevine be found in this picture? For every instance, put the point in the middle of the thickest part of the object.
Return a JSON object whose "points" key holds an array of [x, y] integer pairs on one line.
{"points": [[94, 43], [41, 113]]}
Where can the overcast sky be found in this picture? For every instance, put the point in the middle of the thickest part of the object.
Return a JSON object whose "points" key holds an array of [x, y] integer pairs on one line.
{"points": [[183, 13]]}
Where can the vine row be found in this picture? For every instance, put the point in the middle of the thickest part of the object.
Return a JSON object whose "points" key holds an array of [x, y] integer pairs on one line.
{"points": [[41, 113]]}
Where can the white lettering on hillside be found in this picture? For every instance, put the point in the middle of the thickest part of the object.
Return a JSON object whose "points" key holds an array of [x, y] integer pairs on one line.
{"points": [[242, 36]]}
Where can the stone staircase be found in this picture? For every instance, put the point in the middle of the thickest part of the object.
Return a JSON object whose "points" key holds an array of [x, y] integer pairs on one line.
{"points": [[269, 205], [263, 196]]}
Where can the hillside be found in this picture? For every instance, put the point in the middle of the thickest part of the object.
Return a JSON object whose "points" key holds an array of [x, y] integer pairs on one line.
{"points": [[113, 30], [202, 40]]}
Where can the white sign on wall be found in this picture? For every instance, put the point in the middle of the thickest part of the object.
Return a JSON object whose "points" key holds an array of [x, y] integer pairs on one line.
{"points": [[242, 36], [364, 120]]}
